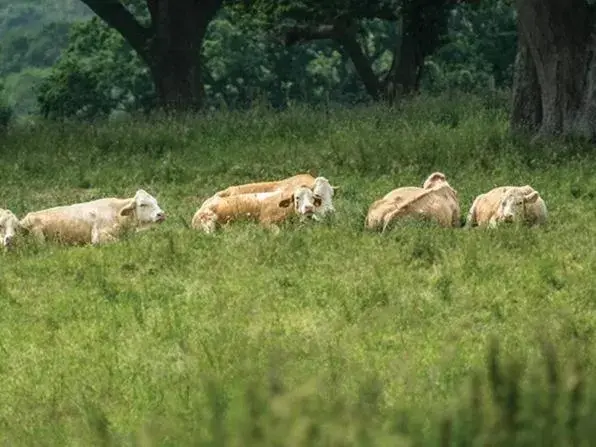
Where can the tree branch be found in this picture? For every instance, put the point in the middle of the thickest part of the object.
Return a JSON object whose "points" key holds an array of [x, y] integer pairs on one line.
{"points": [[118, 17], [301, 34], [361, 63]]}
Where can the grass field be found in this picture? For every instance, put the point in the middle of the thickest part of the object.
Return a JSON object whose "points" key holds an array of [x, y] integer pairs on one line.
{"points": [[322, 335]]}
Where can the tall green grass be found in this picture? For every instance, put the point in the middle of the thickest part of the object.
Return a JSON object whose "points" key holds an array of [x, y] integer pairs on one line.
{"points": [[322, 335]]}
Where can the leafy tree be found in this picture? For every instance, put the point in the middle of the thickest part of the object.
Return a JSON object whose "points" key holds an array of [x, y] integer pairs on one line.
{"points": [[168, 37], [33, 47], [97, 74], [554, 88], [479, 51], [421, 24]]}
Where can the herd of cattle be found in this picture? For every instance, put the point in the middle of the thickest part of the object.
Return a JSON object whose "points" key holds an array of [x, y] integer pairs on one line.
{"points": [[105, 220]]}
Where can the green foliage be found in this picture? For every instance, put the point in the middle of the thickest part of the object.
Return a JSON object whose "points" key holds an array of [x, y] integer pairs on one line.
{"points": [[322, 335], [480, 49], [40, 48], [31, 15], [97, 74]]}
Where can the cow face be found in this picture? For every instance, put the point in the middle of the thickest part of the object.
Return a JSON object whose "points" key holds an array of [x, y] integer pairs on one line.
{"points": [[144, 206], [512, 207], [9, 226], [304, 200]]}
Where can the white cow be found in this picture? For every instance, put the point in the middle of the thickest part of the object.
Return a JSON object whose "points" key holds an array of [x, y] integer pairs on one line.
{"points": [[507, 204], [95, 222], [9, 227]]}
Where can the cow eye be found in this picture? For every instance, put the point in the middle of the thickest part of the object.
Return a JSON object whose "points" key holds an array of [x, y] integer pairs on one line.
{"points": [[143, 205]]}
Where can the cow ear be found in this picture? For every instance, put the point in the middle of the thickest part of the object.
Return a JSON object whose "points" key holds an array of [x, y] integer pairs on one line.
{"points": [[531, 198], [286, 202], [128, 209]]}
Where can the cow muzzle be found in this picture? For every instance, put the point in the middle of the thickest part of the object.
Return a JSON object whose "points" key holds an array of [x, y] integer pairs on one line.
{"points": [[8, 241]]}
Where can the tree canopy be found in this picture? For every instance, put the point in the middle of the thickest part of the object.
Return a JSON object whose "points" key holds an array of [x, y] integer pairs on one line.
{"points": [[250, 51]]}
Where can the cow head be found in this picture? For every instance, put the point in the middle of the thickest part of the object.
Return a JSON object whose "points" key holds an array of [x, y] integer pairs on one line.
{"points": [[9, 226], [434, 179], [304, 200], [143, 206], [512, 207], [323, 190]]}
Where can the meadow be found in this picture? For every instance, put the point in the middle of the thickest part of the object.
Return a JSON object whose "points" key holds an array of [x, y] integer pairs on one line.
{"points": [[323, 334]]}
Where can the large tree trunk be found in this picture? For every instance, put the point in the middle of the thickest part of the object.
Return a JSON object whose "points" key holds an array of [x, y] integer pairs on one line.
{"points": [[170, 46], [558, 40], [527, 105], [175, 52]]}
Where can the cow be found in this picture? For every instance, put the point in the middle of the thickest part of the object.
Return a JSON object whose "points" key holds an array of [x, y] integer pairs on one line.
{"points": [[320, 186], [268, 208], [9, 227], [507, 204], [436, 200], [95, 222]]}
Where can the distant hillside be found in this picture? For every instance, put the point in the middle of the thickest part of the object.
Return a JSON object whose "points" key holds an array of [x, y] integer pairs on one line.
{"points": [[33, 34], [34, 14]]}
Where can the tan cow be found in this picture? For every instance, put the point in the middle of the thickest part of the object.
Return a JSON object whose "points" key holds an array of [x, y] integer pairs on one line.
{"points": [[270, 186], [9, 227], [320, 186], [96, 222], [507, 204], [266, 208], [436, 200]]}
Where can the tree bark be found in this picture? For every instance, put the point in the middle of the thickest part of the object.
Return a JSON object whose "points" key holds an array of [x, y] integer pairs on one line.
{"points": [[362, 64], [527, 105], [423, 23], [170, 46], [175, 62], [558, 40]]}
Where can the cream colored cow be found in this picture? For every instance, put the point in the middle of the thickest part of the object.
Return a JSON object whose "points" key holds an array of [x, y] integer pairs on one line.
{"points": [[320, 186], [436, 200], [96, 222], [507, 204], [9, 227], [266, 208]]}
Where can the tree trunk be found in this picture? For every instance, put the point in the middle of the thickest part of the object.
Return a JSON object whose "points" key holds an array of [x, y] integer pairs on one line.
{"points": [[527, 106], [560, 40], [170, 46], [423, 23], [175, 53]]}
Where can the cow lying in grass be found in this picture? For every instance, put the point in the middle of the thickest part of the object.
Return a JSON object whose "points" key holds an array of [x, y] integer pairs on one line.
{"points": [[268, 208], [95, 222], [320, 186], [9, 227], [436, 201], [507, 204]]}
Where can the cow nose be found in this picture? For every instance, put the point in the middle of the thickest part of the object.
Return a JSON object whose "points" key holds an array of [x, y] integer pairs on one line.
{"points": [[308, 210], [161, 216], [8, 240]]}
